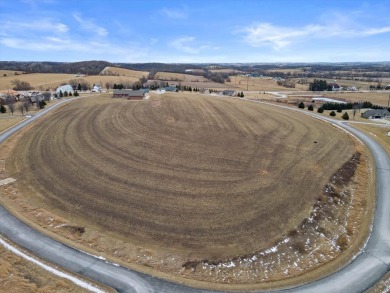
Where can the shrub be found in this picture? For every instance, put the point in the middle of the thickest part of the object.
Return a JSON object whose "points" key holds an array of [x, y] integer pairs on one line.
{"points": [[310, 108], [301, 105], [333, 113], [342, 242], [320, 110], [42, 104], [345, 116], [76, 94]]}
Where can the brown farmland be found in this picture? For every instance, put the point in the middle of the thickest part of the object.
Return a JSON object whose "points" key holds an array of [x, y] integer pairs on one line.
{"points": [[204, 177]]}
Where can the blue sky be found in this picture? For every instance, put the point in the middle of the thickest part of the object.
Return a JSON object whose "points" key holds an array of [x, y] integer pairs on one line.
{"points": [[195, 31]]}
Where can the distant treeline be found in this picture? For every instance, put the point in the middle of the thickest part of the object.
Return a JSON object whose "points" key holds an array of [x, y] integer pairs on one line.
{"points": [[362, 71], [85, 67], [349, 106]]}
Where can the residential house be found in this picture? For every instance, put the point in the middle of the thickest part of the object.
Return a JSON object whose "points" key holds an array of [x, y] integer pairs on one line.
{"points": [[376, 114], [129, 94], [334, 87]]}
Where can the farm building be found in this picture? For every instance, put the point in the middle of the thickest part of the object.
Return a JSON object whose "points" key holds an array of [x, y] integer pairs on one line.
{"points": [[229, 93], [376, 114], [65, 88], [129, 94]]}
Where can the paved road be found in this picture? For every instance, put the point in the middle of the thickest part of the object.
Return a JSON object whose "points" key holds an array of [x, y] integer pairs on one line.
{"points": [[364, 271]]}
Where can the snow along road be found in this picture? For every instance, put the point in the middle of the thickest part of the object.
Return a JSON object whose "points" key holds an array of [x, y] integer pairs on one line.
{"points": [[361, 273]]}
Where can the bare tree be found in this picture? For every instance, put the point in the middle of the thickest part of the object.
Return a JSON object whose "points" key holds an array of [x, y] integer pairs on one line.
{"points": [[20, 85], [46, 96], [21, 107], [10, 101], [26, 105]]}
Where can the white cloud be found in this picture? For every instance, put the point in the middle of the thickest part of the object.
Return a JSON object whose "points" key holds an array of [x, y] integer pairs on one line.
{"points": [[125, 52], [278, 37], [184, 44], [34, 26], [89, 26], [190, 45], [174, 13]]}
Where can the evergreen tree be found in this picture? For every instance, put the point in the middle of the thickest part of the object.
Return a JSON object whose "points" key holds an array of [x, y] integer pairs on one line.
{"points": [[3, 109], [61, 94], [79, 87], [310, 108], [320, 110], [76, 94], [301, 105], [333, 113], [345, 116]]}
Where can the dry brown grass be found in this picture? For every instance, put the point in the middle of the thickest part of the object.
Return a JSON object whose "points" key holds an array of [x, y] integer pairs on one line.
{"points": [[363, 85], [286, 70], [124, 72], [37, 80], [43, 81], [383, 286], [9, 73], [379, 133], [226, 70], [21, 276], [260, 84], [377, 98], [179, 77], [102, 79], [6, 121]]}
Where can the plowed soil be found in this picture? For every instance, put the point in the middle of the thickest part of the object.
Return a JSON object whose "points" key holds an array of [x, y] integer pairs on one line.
{"points": [[206, 177]]}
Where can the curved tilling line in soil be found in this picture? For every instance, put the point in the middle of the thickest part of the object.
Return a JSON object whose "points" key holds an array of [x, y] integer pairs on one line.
{"points": [[366, 269]]}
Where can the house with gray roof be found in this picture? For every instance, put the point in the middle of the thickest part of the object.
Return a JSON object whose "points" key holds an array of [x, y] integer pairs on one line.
{"points": [[376, 114], [129, 94]]}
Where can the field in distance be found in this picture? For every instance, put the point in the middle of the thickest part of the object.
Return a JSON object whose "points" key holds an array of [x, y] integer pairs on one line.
{"points": [[203, 177]]}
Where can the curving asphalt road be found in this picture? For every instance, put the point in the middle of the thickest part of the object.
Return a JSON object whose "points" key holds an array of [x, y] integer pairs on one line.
{"points": [[360, 274]]}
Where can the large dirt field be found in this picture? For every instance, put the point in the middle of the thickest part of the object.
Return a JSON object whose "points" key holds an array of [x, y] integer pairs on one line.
{"points": [[180, 77], [123, 72], [37, 80], [260, 84], [205, 177]]}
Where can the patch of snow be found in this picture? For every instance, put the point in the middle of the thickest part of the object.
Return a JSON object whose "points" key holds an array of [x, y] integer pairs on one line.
{"points": [[96, 256], [328, 100], [50, 269]]}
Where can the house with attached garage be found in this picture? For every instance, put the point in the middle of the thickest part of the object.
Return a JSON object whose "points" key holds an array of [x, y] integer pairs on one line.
{"points": [[334, 87], [129, 94], [376, 114]]}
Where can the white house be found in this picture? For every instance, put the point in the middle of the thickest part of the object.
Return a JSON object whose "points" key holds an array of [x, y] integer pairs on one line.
{"points": [[64, 88], [96, 88]]}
